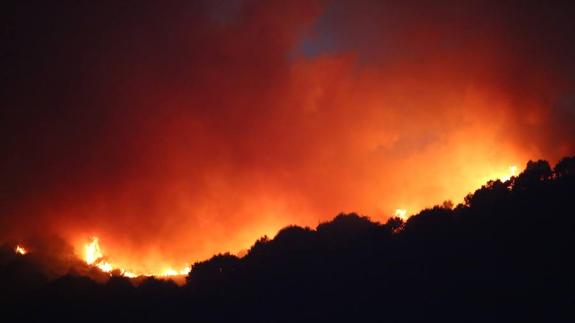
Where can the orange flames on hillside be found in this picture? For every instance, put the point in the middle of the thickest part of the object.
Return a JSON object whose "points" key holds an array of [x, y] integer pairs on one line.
{"points": [[512, 173], [93, 256], [501, 175], [20, 250], [401, 213]]}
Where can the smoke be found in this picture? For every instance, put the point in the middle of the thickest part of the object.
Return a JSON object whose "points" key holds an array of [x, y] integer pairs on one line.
{"points": [[173, 131]]}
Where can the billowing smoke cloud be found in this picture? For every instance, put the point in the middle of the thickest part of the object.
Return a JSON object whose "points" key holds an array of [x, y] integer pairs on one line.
{"points": [[174, 130]]}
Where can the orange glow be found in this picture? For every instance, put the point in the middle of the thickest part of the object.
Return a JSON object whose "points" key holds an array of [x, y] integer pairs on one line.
{"points": [[20, 250], [401, 213], [94, 256], [512, 173], [172, 272], [92, 251], [221, 133]]}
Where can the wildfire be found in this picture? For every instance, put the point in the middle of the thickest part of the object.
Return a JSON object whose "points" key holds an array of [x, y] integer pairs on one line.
{"points": [[94, 256], [512, 173], [401, 213], [92, 251], [172, 272], [20, 250]]}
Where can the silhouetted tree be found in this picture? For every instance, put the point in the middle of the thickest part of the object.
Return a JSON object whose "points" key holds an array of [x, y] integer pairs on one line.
{"points": [[217, 269], [394, 224], [345, 226], [534, 173], [565, 167]]}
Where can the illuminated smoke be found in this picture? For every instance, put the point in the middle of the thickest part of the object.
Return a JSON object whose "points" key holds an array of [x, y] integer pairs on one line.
{"points": [[173, 132]]}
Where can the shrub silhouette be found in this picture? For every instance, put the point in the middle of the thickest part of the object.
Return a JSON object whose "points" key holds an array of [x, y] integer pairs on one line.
{"points": [[565, 167], [535, 173]]}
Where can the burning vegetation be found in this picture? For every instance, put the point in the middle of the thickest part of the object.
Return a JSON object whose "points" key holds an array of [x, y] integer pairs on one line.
{"points": [[171, 149], [141, 136], [20, 250], [459, 255], [93, 256]]}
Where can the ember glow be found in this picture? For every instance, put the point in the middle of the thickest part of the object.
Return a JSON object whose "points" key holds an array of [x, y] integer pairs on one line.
{"points": [[512, 173], [92, 251], [401, 213], [93, 256], [20, 250], [175, 132]]}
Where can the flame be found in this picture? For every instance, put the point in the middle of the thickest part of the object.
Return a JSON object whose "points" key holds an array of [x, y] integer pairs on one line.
{"points": [[512, 173], [513, 170], [94, 256], [92, 251], [105, 266], [20, 250], [173, 272], [401, 213], [129, 274]]}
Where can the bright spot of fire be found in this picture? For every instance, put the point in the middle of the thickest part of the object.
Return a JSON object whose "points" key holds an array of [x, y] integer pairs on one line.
{"points": [[104, 266], [401, 213], [92, 251], [93, 256], [172, 272], [512, 172], [20, 250], [129, 274]]}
